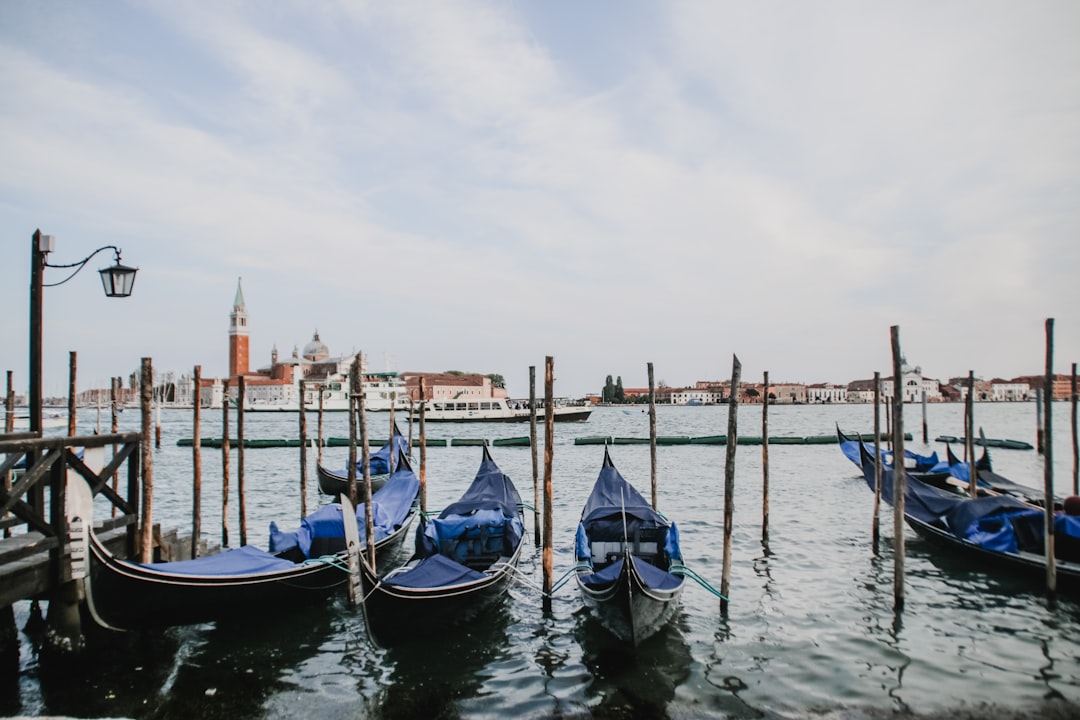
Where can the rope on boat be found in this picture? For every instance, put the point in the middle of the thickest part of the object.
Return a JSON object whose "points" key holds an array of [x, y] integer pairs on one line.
{"points": [[558, 584], [680, 569], [521, 578], [333, 560]]}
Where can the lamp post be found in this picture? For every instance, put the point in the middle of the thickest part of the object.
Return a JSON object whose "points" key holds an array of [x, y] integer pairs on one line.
{"points": [[117, 281]]}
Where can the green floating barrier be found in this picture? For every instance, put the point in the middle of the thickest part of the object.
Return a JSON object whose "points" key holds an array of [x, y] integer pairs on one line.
{"points": [[522, 441], [787, 441], [466, 442], [709, 440], [593, 440], [673, 440], [435, 442], [821, 440], [748, 441], [629, 441]]}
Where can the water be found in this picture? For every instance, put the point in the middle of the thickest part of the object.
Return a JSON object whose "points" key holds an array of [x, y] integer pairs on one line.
{"points": [[810, 628]]}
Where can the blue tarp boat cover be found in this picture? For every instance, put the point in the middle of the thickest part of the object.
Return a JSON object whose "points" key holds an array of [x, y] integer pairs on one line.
{"points": [[997, 522], [918, 463], [245, 560], [323, 532], [603, 515], [435, 571], [484, 523], [379, 461], [652, 576]]}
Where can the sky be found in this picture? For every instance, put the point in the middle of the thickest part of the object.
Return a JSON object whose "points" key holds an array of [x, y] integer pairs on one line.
{"points": [[475, 186]]}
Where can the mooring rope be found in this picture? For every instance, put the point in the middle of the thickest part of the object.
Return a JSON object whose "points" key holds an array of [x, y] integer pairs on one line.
{"points": [[680, 569], [333, 560]]}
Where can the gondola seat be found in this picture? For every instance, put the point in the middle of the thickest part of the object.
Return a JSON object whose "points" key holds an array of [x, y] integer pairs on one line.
{"points": [[476, 540]]}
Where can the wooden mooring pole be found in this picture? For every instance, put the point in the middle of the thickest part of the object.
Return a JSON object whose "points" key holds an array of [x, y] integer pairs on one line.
{"points": [[146, 397], [354, 381], [365, 454], [535, 458], [765, 459], [1048, 462], [1075, 443], [899, 484], [729, 481], [72, 393], [877, 461], [115, 426], [652, 433], [9, 427], [1039, 420], [318, 458], [549, 457], [423, 447], [303, 449], [241, 490], [925, 429], [969, 437], [225, 464], [196, 464]]}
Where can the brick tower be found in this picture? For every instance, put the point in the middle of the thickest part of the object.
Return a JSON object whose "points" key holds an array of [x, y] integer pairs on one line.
{"points": [[238, 335]]}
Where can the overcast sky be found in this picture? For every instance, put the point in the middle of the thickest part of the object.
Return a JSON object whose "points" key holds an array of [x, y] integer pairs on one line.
{"points": [[459, 185]]}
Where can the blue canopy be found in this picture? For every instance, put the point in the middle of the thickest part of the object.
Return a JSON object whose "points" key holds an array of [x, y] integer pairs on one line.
{"points": [[245, 560], [491, 489], [435, 571], [612, 495], [379, 461], [323, 532], [653, 577]]}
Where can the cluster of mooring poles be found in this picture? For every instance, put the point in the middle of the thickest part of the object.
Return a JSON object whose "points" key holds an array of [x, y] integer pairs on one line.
{"points": [[1044, 420]]}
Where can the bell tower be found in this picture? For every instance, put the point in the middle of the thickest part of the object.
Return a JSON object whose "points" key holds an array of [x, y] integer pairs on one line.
{"points": [[238, 335]]}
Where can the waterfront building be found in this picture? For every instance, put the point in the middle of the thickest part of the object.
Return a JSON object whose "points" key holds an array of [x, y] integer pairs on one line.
{"points": [[826, 393]]}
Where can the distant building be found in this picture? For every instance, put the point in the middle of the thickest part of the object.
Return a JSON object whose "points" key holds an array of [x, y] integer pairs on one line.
{"points": [[826, 393], [451, 386]]}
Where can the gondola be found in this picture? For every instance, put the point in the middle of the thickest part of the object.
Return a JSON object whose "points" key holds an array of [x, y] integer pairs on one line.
{"points": [[336, 482], [301, 566], [946, 474], [997, 531], [625, 551], [464, 560]]}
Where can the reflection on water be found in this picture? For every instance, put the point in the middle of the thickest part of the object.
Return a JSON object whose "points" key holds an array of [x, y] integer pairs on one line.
{"points": [[810, 628]]}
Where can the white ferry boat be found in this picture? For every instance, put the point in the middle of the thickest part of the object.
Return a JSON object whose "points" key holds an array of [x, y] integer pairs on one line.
{"points": [[498, 410], [382, 390]]}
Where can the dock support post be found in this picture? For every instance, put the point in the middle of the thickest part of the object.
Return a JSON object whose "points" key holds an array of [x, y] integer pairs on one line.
{"points": [[1075, 444], [72, 392], [241, 398], [969, 439], [877, 461], [1039, 420], [423, 446], [303, 450], [225, 465], [9, 642], [146, 529], [925, 429], [63, 632]]}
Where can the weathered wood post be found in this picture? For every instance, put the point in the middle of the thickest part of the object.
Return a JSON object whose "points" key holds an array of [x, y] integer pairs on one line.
{"points": [[765, 459], [365, 454], [9, 427], [303, 449], [1039, 420], [535, 458], [196, 464], [393, 426], [354, 382], [225, 464], [157, 395], [115, 426], [877, 460], [899, 484], [321, 440], [423, 447], [925, 429], [412, 411], [146, 397], [652, 433], [729, 480], [1075, 444], [549, 457], [241, 490], [969, 437], [1048, 461], [72, 393]]}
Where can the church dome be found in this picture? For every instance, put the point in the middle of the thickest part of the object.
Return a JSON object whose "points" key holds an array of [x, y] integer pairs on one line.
{"points": [[316, 349]]}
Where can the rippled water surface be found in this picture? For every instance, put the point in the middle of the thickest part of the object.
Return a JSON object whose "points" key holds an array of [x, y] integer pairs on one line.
{"points": [[810, 628]]}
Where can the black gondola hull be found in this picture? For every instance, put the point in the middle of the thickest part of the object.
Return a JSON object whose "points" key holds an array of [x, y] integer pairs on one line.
{"points": [[127, 596], [628, 608], [334, 484]]}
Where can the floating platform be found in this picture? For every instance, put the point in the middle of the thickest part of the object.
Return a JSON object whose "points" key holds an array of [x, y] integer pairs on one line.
{"points": [[988, 442]]}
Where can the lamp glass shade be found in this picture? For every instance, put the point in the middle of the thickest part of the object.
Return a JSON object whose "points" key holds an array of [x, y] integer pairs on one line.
{"points": [[118, 280]]}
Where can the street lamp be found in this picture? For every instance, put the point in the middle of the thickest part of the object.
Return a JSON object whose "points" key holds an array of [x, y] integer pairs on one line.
{"points": [[117, 280]]}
